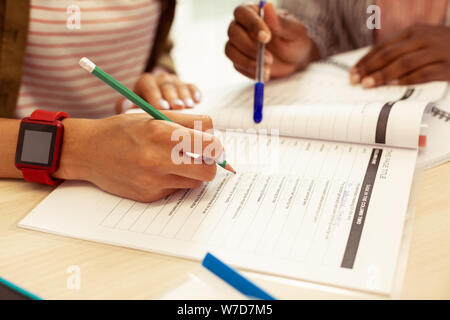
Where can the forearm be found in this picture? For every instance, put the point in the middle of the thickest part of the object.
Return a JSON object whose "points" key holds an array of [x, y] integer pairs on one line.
{"points": [[9, 130], [73, 160], [319, 19], [126, 155], [75, 153]]}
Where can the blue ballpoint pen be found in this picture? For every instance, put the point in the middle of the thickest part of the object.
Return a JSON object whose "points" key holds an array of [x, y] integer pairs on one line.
{"points": [[259, 85]]}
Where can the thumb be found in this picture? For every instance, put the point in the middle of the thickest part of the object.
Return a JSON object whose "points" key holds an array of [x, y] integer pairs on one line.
{"points": [[283, 24]]}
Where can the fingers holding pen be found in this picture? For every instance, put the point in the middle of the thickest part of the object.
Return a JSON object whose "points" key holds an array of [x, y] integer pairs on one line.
{"points": [[247, 16], [288, 45], [245, 64], [245, 33], [241, 39]]}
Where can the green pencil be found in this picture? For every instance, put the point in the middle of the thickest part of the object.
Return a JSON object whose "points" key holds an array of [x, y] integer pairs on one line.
{"points": [[89, 66]]}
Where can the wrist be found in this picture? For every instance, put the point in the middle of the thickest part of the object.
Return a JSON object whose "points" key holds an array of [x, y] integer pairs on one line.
{"points": [[312, 55], [74, 160], [9, 130]]}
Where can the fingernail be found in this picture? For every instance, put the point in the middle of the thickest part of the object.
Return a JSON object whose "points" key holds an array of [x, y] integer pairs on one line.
{"points": [[353, 70], [393, 82], [263, 36], [126, 104], [178, 102], [268, 58], [266, 74], [197, 96], [354, 78], [189, 102], [164, 104], [368, 82]]}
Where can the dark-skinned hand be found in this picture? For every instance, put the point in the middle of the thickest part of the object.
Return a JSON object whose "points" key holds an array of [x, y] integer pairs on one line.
{"points": [[418, 54]]}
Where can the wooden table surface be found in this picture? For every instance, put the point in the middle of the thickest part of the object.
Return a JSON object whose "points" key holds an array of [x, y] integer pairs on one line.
{"points": [[39, 261]]}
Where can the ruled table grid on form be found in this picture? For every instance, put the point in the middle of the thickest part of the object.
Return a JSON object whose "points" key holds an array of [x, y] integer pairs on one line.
{"points": [[302, 213]]}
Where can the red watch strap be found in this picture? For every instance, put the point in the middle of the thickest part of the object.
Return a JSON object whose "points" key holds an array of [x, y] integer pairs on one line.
{"points": [[39, 176], [50, 116]]}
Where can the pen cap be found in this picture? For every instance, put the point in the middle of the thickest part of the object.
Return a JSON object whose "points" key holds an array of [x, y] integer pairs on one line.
{"points": [[258, 102]]}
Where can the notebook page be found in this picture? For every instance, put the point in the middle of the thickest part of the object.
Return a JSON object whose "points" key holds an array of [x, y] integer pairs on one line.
{"points": [[320, 104], [320, 215]]}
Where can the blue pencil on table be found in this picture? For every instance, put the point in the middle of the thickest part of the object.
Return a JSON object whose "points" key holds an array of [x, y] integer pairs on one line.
{"points": [[234, 278], [259, 85]]}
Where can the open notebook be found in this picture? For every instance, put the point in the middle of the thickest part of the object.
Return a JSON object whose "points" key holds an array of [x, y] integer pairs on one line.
{"points": [[328, 206]]}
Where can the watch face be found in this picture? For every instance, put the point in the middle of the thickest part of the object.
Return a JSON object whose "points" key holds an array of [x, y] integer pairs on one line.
{"points": [[36, 144]]}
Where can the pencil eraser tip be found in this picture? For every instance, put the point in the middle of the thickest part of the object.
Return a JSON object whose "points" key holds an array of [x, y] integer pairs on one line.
{"points": [[87, 64]]}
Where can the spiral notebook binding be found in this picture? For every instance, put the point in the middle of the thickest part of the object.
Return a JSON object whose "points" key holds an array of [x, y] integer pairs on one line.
{"points": [[440, 114]]}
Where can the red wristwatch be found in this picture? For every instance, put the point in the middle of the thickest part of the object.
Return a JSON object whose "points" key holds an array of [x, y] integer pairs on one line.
{"points": [[39, 146]]}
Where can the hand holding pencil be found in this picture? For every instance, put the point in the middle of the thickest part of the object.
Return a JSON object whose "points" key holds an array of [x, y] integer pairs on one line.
{"points": [[130, 155], [89, 66]]}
